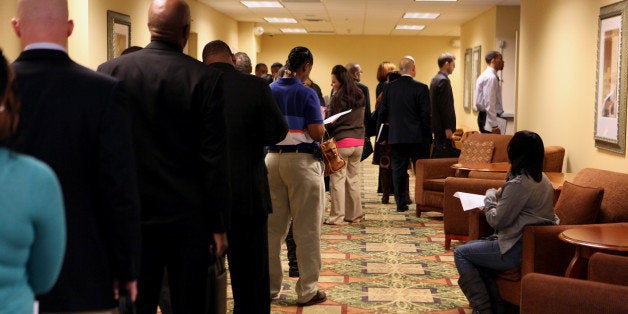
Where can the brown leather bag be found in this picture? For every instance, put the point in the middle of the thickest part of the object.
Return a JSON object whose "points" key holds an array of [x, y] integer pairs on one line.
{"points": [[331, 157]]}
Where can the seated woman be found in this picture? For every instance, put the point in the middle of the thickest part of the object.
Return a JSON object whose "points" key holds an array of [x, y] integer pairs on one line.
{"points": [[525, 199], [32, 223]]}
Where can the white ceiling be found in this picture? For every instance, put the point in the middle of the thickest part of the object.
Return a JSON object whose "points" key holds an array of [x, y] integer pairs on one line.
{"points": [[360, 17]]}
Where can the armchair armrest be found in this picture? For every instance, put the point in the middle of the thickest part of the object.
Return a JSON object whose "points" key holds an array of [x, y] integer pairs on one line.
{"points": [[425, 169], [457, 221], [545, 294]]}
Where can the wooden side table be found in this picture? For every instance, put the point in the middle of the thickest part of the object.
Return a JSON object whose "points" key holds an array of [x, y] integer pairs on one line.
{"points": [[608, 238]]}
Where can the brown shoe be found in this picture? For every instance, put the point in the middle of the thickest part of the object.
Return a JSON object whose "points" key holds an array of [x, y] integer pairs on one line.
{"points": [[319, 297]]}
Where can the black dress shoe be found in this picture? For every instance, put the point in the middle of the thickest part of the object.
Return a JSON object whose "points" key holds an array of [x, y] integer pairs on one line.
{"points": [[385, 199], [293, 272], [402, 209]]}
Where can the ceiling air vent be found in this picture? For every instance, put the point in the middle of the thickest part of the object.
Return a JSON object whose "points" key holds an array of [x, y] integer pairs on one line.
{"points": [[321, 32]]}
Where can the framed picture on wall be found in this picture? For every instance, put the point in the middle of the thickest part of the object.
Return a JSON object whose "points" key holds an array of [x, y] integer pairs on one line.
{"points": [[118, 33], [468, 79], [610, 95], [477, 65]]}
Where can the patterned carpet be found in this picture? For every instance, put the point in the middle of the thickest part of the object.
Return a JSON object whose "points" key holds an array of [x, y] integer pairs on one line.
{"points": [[388, 263]]}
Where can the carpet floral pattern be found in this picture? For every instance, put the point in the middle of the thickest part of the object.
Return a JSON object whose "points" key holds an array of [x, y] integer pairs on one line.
{"points": [[388, 263]]}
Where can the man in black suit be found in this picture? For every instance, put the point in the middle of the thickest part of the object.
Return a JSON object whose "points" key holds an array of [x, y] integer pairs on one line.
{"points": [[406, 105], [180, 147], [253, 121], [443, 113], [71, 119]]}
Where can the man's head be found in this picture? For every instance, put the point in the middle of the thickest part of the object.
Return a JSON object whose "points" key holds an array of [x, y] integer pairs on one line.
{"points": [[243, 63], [275, 67], [447, 63], [261, 69], [495, 60], [355, 71], [42, 21], [169, 21], [407, 66], [217, 51]]}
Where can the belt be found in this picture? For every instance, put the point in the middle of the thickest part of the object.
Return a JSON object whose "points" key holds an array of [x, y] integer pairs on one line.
{"points": [[305, 150]]}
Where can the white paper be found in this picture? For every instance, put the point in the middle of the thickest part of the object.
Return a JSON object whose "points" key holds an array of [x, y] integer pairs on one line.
{"points": [[335, 117], [470, 201]]}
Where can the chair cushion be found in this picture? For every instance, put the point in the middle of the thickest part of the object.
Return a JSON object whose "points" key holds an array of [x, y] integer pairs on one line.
{"points": [[474, 151], [578, 205]]}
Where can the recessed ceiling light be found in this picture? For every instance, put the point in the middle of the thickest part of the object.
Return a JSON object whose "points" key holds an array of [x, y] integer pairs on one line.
{"points": [[420, 15], [410, 27], [262, 4], [293, 30], [435, 0], [280, 20]]}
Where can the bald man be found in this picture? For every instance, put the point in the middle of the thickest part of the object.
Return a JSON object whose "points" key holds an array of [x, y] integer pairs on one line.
{"points": [[72, 119], [406, 105], [179, 140]]}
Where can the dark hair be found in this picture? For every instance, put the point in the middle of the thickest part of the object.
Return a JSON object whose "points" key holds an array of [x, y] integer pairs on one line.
{"points": [[526, 153], [276, 65], [297, 57], [259, 65], [445, 57], [216, 47], [393, 75], [9, 103], [130, 50], [349, 96], [491, 55]]}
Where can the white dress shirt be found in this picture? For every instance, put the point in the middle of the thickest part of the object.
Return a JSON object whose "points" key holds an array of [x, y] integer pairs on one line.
{"points": [[488, 89]]}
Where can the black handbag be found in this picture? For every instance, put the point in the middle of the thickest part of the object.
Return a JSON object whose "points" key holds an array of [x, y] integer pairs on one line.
{"points": [[445, 149], [125, 303], [367, 149]]}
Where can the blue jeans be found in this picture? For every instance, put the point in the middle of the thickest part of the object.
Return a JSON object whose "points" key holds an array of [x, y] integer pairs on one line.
{"points": [[485, 255]]}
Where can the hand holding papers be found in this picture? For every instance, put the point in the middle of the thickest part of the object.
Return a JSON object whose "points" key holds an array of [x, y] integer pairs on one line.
{"points": [[470, 201], [335, 117]]}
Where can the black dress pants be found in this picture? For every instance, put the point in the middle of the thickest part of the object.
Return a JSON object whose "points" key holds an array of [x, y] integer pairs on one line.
{"points": [[248, 263], [401, 154], [183, 249], [482, 121]]}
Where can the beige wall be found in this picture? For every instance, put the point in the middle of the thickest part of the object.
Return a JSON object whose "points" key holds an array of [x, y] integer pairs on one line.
{"points": [[557, 79], [9, 43], [368, 51]]}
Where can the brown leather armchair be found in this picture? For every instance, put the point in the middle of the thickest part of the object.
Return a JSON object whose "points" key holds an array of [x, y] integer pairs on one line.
{"points": [[471, 225], [431, 173], [604, 292]]}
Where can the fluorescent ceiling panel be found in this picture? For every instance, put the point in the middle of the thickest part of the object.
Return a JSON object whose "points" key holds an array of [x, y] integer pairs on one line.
{"points": [[410, 27], [293, 30], [286, 20], [420, 15], [262, 4]]}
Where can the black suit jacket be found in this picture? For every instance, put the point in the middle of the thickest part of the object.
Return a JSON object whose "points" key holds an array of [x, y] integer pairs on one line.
{"points": [[442, 98], [253, 121], [368, 125], [72, 120], [406, 105], [178, 133]]}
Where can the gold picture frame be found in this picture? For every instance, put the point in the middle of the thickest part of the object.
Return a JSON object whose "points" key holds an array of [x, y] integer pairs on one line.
{"points": [[611, 84], [118, 33], [468, 79]]}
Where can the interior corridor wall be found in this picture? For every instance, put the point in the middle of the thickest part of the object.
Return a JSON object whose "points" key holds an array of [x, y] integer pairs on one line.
{"points": [[9, 43], [558, 63], [369, 52]]}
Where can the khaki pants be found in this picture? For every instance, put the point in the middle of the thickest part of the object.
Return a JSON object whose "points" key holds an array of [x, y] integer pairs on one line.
{"points": [[298, 193], [344, 188]]}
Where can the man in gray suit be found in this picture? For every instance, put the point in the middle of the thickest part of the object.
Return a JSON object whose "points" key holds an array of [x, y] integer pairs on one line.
{"points": [[406, 105]]}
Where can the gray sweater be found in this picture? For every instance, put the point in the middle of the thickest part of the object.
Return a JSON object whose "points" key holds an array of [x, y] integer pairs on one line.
{"points": [[519, 202]]}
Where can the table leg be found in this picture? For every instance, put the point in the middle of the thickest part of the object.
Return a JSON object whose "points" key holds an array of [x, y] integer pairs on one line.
{"points": [[577, 265]]}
